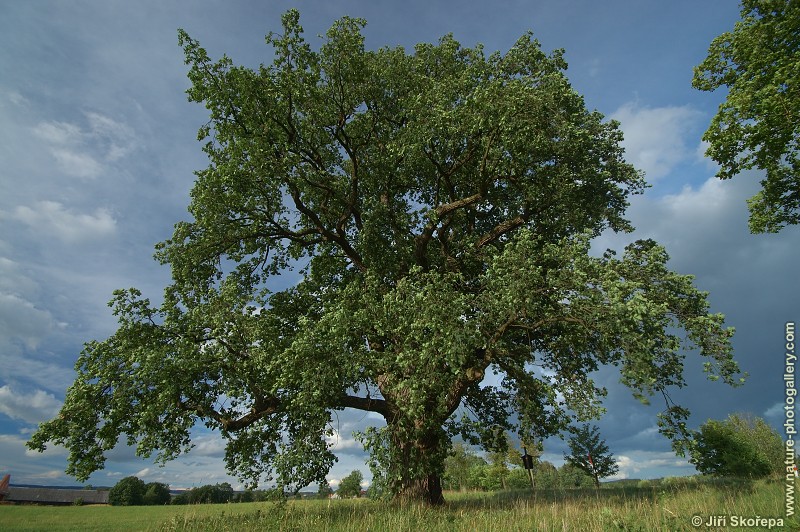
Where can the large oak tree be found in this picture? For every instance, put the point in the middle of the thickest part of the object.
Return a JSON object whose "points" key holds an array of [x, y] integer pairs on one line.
{"points": [[439, 206]]}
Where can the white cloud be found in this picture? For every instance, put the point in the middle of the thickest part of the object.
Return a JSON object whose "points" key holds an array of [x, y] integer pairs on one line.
{"points": [[83, 153], [26, 466], [695, 221], [52, 217], [50, 452], [48, 475], [66, 143], [46, 375], [636, 464], [711, 202], [13, 96], [13, 280], [212, 445], [32, 407], [776, 412], [654, 137], [21, 321], [337, 442], [117, 139], [61, 133], [77, 164], [700, 156]]}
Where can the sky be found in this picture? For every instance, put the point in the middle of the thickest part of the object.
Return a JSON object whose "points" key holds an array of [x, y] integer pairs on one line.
{"points": [[98, 148]]}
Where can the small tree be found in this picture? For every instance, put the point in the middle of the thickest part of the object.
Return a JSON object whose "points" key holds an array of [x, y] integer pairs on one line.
{"points": [[181, 498], [459, 466], [379, 487], [590, 454], [739, 446], [351, 485], [546, 475], [224, 492], [211, 494], [324, 490], [572, 476], [245, 496], [156, 494], [127, 492], [505, 454], [518, 479]]}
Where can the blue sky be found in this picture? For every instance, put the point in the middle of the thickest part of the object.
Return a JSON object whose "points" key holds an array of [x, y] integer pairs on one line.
{"points": [[98, 145]]}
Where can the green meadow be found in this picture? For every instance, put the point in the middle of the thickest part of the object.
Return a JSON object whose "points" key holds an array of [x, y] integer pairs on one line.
{"points": [[646, 506]]}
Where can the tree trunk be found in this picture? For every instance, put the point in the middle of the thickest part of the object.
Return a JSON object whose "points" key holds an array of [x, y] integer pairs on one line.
{"points": [[417, 466], [427, 490]]}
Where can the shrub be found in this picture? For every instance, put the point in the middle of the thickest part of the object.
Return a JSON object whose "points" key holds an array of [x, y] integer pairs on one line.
{"points": [[738, 446], [127, 492], [156, 494], [351, 485]]}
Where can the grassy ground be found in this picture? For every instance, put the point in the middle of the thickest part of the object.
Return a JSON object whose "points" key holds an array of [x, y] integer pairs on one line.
{"points": [[669, 506]]}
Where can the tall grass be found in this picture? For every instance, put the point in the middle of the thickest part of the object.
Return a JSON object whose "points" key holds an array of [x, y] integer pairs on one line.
{"points": [[666, 505]]}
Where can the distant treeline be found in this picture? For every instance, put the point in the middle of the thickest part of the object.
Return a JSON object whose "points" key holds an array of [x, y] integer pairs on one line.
{"points": [[132, 491], [223, 493]]}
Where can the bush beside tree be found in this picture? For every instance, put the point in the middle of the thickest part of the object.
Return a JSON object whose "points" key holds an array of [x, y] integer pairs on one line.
{"points": [[572, 476], [156, 494], [127, 492], [208, 494], [739, 446]]}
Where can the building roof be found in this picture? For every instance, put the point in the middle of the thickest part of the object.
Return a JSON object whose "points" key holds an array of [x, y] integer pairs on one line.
{"points": [[55, 496]]}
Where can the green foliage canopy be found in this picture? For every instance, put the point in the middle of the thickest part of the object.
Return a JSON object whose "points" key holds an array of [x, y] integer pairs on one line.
{"points": [[207, 494], [129, 491], [350, 486], [156, 494], [739, 446], [439, 205], [758, 125], [458, 465], [324, 489], [570, 476]]}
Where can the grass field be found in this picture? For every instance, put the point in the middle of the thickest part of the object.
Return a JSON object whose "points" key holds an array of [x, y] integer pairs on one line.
{"points": [[668, 506]]}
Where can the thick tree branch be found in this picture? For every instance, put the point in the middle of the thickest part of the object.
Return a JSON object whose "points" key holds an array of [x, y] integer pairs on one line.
{"points": [[503, 228], [338, 237], [469, 377], [447, 172], [301, 237], [262, 407], [344, 140], [422, 240], [367, 404]]}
